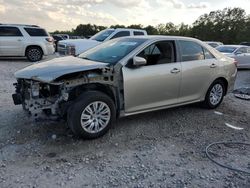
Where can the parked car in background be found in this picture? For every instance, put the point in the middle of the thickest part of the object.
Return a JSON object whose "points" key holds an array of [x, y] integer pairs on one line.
{"points": [[76, 37], [214, 44], [245, 43], [122, 77], [64, 36], [239, 52], [25, 40], [76, 47]]}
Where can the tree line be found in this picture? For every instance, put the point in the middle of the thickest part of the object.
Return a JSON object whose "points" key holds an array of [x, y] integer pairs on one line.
{"points": [[230, 26]]}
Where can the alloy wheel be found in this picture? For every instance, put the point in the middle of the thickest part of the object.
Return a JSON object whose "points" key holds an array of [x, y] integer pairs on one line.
{"points": [[95, 117]]}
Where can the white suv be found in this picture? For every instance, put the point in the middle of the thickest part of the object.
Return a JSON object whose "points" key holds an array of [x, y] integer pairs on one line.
{"points": [[77, 46], [25, 40]]}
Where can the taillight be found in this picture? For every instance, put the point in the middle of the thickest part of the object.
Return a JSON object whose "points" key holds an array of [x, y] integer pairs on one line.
{"points": [[235, 62], [50, 39]]}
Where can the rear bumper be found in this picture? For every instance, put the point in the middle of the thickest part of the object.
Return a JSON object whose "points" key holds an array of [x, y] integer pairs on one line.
{"points": [[232, 82], [49, 49]]}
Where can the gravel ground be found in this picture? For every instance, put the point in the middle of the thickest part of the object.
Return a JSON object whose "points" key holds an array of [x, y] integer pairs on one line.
{"points": [[157, 149]]}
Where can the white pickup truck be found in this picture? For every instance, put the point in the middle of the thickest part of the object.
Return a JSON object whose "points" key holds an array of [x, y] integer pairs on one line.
{"points": [[77, 46]]}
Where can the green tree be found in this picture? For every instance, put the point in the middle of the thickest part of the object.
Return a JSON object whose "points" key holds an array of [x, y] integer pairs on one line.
{"points": [[117, 26], [138, 26], [151, 30], [221, 25]]}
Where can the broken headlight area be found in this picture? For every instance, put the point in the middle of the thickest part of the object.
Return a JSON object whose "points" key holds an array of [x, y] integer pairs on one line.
{"points": [[37, 97]]}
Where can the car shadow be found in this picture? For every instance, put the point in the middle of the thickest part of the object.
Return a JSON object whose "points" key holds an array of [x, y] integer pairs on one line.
{"points": [[13, 59]]}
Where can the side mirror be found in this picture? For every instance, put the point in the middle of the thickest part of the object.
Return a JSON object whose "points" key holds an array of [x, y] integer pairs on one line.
{"points": [[139, 61]]}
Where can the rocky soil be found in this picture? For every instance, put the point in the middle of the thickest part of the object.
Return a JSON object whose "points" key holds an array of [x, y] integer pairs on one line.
{"points": [[158, 149]]}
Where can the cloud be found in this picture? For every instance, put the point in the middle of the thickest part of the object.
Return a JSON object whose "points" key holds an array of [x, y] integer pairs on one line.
{"points": [[178, 4], [174, 3], [2, 9], [55, 14], [201, 5], [67, 14], [126, 3]]}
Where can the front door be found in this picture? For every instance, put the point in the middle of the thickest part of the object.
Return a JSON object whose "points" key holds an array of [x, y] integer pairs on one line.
{"points": [[155, 84]]}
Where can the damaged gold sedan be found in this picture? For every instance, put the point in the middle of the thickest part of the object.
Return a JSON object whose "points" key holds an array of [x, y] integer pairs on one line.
{"points": [[122, 77]]}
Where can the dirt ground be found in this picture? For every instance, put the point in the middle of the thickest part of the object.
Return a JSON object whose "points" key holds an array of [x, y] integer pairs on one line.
{"points": [[158, 149]]}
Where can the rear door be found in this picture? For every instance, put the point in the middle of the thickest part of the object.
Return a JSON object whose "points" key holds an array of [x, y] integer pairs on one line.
{"points": [[155, 84], [11, 41], [199, 69]]}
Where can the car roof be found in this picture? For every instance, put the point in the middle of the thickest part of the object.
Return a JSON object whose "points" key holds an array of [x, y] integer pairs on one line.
{"points": [[126, 29], [22, 25], [212, 42], [234, 46], [162, 37]]}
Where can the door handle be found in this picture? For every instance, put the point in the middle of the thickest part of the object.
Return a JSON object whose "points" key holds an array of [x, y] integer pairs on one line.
{"points": [[175, 70], [213, 65]]}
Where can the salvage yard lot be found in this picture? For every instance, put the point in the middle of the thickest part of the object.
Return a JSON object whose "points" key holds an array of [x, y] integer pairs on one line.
{"points": [[156, 149]]}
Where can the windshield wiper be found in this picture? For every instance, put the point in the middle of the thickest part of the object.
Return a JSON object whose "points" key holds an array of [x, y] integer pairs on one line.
{"points": [[85, 58]]}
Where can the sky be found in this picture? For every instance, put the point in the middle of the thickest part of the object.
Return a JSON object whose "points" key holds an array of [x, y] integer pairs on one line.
{"points": [[67, 14]]}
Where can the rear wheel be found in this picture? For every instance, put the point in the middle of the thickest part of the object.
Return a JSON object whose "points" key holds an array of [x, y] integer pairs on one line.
{"points": [[34, 54], [91, 115], [215, 94]]}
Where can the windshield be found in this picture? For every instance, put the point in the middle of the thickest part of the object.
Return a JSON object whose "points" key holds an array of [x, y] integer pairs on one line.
{"points": [[101, 36], [226, 49], [112, 51]]}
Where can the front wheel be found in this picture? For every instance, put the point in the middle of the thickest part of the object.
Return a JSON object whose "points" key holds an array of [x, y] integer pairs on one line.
{"points": [[91, 115], [215, 94]]}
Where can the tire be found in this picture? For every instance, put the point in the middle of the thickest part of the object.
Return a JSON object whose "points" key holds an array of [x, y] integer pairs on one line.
{"points": [[34, 54], [215, 94], [85, 121]]}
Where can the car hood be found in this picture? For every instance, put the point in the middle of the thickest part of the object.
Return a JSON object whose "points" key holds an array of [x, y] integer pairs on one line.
{"points": [[81, 45], [50, 70]]}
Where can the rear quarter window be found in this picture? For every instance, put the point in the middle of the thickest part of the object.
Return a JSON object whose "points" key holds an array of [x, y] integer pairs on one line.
{"points": [[208, 54], [36, 32], [121, 34], [136, 33]]}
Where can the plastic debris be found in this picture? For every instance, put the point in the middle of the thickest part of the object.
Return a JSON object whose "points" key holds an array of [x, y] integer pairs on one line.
{"points": [[233, 127], [218, 113], [242, 93], [53, 136]]}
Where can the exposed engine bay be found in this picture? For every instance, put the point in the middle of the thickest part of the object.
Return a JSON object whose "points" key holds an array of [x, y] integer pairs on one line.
{"points": [[53, 98]]}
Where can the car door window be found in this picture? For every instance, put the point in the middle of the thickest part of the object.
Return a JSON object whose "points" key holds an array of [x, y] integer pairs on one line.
{"points": [[159, 53], [242, 50], [191, 51], [36, 32], [248, 50], [121, 34], [10, 32]]}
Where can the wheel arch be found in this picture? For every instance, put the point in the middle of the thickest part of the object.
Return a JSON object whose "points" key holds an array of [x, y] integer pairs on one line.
{"points": [[109, 90], [224, 80], [30, 46]]}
